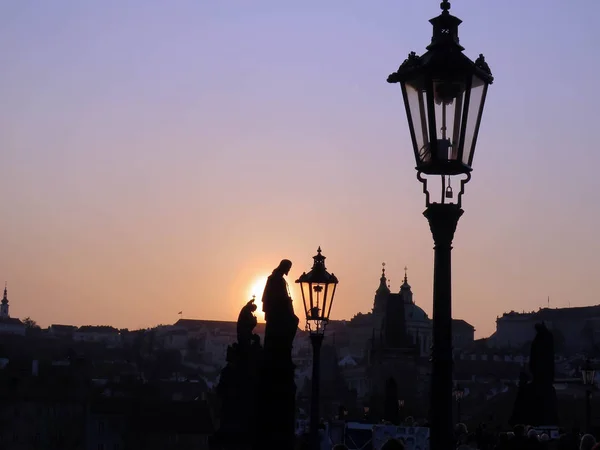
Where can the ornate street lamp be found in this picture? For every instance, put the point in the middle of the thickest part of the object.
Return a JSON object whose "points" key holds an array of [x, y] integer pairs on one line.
{"points": [[318, 290], [444, 93], [588, 376], [459, 393]]}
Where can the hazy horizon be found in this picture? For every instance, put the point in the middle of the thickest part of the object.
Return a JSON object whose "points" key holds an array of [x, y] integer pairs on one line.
{"points": [[158, 157]]}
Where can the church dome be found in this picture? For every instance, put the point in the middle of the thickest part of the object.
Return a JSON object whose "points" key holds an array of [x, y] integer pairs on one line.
{"points": [[414, 313]]}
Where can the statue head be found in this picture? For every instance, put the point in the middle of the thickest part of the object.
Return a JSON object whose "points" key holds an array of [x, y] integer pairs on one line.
{"points": [[284, 267], [251, 305]]}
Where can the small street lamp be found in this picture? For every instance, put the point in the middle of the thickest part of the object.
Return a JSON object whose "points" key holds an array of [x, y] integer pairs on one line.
{"points": [[444, 94], [459, 393], [401, 410], [588, 375], [318, 290]]}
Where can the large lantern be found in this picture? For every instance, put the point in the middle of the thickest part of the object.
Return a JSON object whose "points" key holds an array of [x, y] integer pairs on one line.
{"points": [[318, 289], [444, 93]]}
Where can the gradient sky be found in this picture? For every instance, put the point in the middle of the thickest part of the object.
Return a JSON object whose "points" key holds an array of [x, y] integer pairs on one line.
{"points": [[162, 156]]}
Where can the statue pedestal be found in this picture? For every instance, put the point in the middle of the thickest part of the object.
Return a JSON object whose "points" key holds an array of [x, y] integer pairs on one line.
{"points": [[276, 397], [237, 391]]}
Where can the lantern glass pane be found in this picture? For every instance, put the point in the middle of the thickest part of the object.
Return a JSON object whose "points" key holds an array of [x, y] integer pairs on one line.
{"points": [[326, 298], [305, 287], [330, 295], [318, 299], [478, 90], [448, 99], [417, 103]]}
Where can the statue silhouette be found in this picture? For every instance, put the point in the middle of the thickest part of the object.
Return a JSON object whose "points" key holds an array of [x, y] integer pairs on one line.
{"points": [[238, 383], [246, 323], [277, 389], [282, 323], [536, 401], [541, 358]]}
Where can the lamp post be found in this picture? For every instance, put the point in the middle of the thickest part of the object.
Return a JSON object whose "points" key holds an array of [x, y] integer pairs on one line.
{"points": [[318, 290], [400, 411], [588, 375], [459, 393], [444, 93]]}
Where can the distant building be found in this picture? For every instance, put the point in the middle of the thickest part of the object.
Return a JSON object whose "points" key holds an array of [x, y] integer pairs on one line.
{"points": [[214, 336], [391, 341], [353, 336], [574, 329], [9, 325], [62, 331], [103, 333]]}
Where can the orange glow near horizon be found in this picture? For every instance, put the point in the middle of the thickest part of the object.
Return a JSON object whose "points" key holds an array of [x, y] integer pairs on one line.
{"points": [[258, 286], [256, 289]]}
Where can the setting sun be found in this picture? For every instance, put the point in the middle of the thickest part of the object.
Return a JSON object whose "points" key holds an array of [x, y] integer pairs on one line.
{"points": [[256, 289]]}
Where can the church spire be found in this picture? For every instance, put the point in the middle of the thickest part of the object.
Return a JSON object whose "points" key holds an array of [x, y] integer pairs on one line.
{"points": [[405, 289], [381, 294], [383, 285], [4, 303]]}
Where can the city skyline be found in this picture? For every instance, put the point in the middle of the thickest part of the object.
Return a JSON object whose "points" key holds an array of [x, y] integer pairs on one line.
{"points": [[158, 159]]}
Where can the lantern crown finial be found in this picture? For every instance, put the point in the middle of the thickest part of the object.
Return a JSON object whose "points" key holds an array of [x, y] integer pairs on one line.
{"points": [[445, 6], [319, 259]]}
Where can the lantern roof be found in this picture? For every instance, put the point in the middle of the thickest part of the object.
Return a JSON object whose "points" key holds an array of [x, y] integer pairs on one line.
{"points": [[444, 54], [318, 273]]}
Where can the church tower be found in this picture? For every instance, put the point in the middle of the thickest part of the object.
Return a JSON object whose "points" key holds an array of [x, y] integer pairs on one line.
{"points": [[393, 357], [381, 295], [405, 290], [4, 305]]}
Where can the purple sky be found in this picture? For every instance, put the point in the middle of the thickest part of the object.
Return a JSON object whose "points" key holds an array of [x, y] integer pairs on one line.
{"points": [[164, 156]]}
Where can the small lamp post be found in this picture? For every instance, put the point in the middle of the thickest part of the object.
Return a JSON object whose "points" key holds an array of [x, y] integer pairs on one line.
{"points": [[588, 375], [401, 410], [459, 393], [444, 93], [318, 290]]}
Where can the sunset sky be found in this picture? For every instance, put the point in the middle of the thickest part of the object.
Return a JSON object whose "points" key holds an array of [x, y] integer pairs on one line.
{"points": [[163, 156]]}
